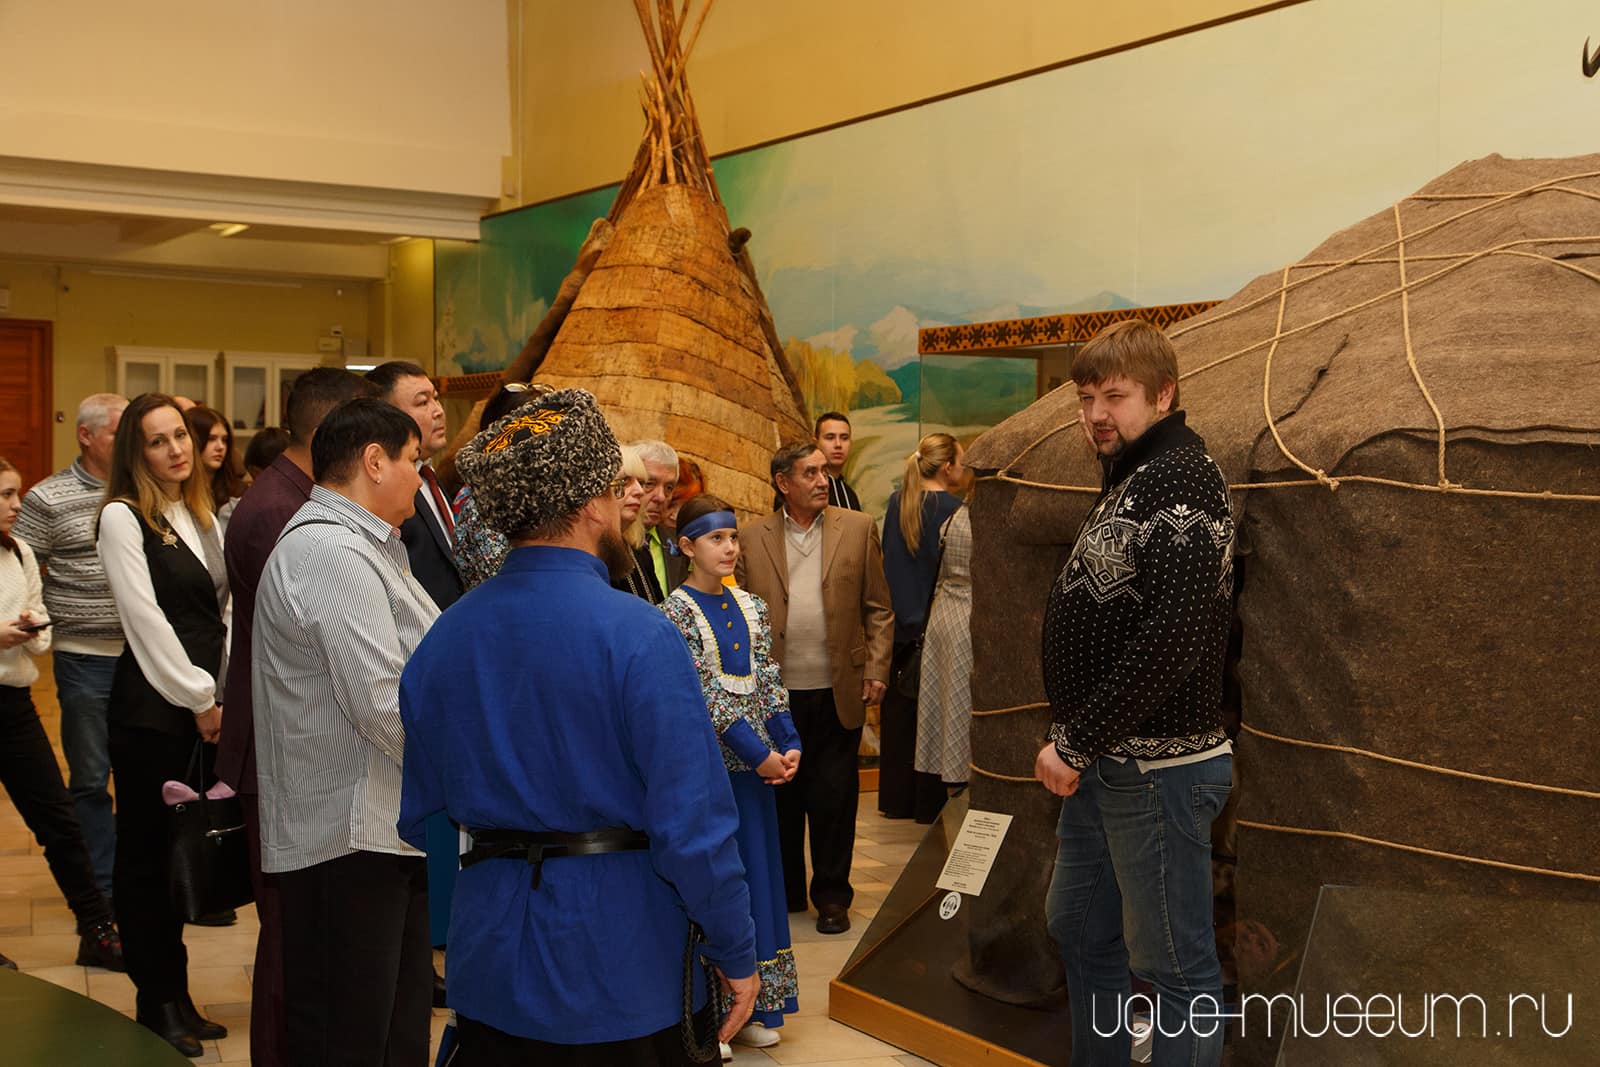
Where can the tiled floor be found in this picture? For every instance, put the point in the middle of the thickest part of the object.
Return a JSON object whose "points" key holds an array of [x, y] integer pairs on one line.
{"points": [[36, 930]]}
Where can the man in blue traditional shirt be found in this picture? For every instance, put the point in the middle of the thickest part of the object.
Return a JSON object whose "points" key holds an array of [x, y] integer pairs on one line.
{"points": [[562, 722]]}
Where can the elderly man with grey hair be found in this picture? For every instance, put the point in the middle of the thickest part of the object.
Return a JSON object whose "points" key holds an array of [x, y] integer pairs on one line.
{"points": [[662, 568], [58, 521]]}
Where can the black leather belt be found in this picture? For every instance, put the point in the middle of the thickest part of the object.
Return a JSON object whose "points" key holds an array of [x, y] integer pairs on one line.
{"points": [[535, 848]]}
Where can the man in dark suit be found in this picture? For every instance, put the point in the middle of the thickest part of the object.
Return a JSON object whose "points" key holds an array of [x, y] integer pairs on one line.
{"points": [[429, 537], [820, 570]]}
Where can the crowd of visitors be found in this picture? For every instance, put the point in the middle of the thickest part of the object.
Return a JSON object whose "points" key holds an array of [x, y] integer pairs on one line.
{"points": [[578, 722]]}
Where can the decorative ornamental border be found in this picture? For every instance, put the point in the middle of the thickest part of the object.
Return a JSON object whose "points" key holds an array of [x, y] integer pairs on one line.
{"points": [[1046, 329], [470, 386]]}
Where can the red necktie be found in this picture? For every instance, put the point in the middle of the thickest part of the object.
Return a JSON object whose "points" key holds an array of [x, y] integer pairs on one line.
{"points": [[438, 498]]}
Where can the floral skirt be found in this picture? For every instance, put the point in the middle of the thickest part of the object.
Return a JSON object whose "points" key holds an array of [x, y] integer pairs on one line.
{"points": [[763, 866]]}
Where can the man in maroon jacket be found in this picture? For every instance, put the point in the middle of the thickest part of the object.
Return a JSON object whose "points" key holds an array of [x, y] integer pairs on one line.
{"points": [[262, 513]]}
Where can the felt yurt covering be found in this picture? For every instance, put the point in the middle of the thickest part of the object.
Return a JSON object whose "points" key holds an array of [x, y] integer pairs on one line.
{"points": [[1410, 417]]}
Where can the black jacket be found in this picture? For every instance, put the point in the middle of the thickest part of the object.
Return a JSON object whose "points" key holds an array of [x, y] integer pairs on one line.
{"points": [[1136, 627], [433, 562]]}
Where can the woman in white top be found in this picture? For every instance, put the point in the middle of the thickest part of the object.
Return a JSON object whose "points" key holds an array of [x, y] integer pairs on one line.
{"points": [[162, 551], [28, 767]]}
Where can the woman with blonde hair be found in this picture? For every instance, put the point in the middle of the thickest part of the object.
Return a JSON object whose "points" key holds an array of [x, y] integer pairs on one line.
{"points": [[640, 582], [162, 551], [917, 513]]}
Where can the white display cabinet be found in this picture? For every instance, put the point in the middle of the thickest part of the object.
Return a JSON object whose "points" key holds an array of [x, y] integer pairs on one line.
{"points": [[190, 372], [258, 387]]}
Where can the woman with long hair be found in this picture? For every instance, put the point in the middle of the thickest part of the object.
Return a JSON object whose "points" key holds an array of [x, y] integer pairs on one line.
{"points": [[221, 465], [917, 513], [639, 581], [28, 767], [162, 551]]}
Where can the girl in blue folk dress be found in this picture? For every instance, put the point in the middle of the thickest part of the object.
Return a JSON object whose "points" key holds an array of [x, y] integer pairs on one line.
{"points": [[731, 643]]}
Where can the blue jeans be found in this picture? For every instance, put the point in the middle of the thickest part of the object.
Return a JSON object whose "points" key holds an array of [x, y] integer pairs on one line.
{"points": [[1132, 890], [83, 686]]}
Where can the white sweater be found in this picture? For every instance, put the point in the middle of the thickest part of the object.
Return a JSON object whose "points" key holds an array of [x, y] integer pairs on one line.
{"points": [[21, 590]]}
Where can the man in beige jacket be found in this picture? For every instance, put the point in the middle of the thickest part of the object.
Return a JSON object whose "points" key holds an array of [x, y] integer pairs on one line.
{"points": [[820, 570]]}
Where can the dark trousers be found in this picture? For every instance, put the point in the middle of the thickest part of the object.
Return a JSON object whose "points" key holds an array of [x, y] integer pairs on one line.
{"points": [[29, 772], [825, 793], [903, 791], [152, 933], [481, 1045], [357, 965], [268, 1047]]}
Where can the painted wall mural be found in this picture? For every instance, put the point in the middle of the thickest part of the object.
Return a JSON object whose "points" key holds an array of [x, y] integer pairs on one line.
{"points": [[1173, 172]]}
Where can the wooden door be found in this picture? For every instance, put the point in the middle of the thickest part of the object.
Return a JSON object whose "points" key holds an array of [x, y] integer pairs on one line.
{"points": [[25, 398]]}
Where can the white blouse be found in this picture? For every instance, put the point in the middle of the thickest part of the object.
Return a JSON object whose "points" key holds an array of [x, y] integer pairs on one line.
{"points": [[21, 590], [154, 643]]}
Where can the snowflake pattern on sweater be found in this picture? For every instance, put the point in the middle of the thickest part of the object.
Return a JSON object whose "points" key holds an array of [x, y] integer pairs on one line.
{"points": [[1136, 626]]}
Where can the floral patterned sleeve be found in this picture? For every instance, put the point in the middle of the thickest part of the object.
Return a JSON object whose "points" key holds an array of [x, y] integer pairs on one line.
{"points": [[771, 695], [480, 549]]}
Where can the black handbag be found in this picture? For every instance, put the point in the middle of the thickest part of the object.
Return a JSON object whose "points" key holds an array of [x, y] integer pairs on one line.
{"points": [[208, 869]]}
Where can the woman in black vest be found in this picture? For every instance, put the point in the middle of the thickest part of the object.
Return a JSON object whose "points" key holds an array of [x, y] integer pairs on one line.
{"points": [[162, 552]]}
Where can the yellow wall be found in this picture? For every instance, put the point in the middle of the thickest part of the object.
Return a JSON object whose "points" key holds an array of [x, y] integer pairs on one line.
{"points": [[406, 94], [91, 312], [765, 69], [409, 302]]}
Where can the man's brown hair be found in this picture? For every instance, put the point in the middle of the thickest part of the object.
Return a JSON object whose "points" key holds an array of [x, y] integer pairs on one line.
{"points": [[1132, 349]]}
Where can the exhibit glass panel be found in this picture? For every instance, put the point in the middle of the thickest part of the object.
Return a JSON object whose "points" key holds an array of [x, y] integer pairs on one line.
{"points": [[965, 395], [139, 376], [193, 380], [286, 377], [247, 396]]}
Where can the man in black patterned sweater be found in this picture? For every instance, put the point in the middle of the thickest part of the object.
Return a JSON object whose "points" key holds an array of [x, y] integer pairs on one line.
{"points": [[1134, 636]]}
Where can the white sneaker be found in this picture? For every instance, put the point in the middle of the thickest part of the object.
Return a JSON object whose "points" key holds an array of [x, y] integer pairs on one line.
{"points": [[727, 1051], [757, 1036]]}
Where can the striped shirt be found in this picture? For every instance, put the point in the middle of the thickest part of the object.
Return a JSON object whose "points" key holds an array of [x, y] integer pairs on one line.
{"points": [[58, 520], [338, 613]]}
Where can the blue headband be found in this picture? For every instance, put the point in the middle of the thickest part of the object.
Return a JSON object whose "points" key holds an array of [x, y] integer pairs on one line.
{"points": [[717, 520]]}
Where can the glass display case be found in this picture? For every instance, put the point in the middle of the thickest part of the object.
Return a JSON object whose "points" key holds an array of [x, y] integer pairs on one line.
{"points": [[258, 386], [189, 372]]}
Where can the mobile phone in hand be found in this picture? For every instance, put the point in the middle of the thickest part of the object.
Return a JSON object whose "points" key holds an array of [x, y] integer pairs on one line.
{"points": [[33, 628]]}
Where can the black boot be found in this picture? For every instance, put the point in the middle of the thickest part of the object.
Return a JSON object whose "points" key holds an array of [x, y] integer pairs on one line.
{"points": [[201, 1027], [101, 946], [168, 1023]]}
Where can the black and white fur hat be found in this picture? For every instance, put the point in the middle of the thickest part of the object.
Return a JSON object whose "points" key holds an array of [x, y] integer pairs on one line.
{"points": [[544, 460]]}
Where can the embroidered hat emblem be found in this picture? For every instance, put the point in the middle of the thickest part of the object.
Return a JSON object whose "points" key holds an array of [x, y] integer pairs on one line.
{"points": [[524, 425]]}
